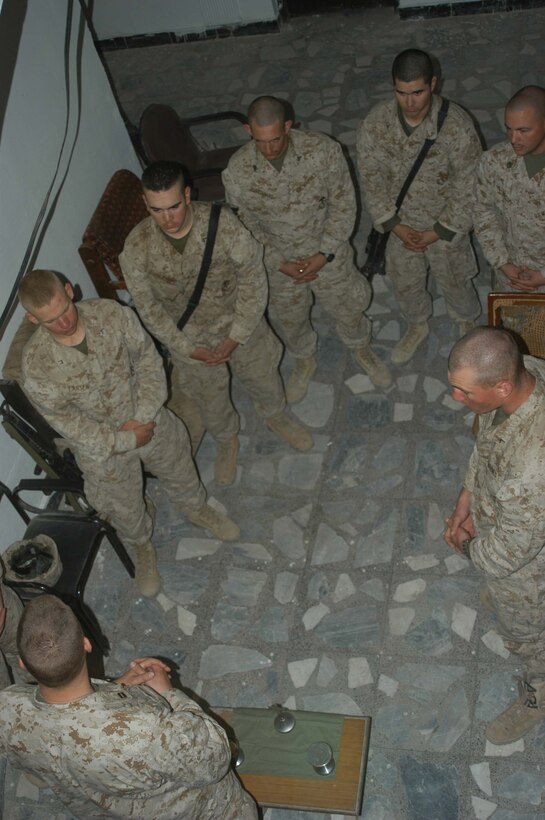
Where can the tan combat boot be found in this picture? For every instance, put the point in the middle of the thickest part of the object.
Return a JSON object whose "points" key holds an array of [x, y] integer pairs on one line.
{"points": [[147, 578], [521, 716], [464, 326], [406, 347], [291, 431], [373, 366], [219, 524], [225, 465], [298, 382]]}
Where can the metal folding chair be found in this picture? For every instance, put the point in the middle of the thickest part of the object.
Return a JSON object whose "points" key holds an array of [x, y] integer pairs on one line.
{"points": [[78, 536]]}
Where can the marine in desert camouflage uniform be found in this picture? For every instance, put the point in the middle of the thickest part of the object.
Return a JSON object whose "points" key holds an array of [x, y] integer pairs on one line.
{"points": [[499, 519], [161, 261], [432, 227], [94, 374], [293, 191], [134, 748], [509, 210]]}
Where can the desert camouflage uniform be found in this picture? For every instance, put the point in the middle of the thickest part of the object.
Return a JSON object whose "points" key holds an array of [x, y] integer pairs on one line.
{"points": [[440, 193], [307, 207], [87, 397], [178, 401], [161, 281], [506, 477], [509, 212], [125, 751]]}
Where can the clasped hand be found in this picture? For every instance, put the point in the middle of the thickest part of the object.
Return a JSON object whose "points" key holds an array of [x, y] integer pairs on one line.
{"points": [[142, 431], [305, 269], [414, 240], [521, 277], [458, 531], [149, 671], [213, 356]]}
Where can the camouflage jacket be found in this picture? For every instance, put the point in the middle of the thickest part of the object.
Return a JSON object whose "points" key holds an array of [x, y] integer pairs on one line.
{"points": [[509, 210], [306, 207], [125, 751], [161, 281], [87, 397], [506, 476], [442, 189]]}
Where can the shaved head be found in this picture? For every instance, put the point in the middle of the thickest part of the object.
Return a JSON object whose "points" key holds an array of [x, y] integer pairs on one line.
{"points": [[525, 121], [412, 64], [531, 96], [491, 354], [264, 111]]}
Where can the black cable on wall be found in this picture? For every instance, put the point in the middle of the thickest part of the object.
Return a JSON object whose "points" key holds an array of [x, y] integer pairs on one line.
{"points": [[47, 209]]}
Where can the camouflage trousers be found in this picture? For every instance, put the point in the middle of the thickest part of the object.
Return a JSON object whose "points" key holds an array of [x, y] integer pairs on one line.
{"points": [[452, 264], [115, 488], [520, 609], [342, 291], [254, 363], [186, 408]]}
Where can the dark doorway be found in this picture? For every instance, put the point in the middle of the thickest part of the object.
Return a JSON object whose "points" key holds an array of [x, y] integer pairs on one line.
{"points": [[295, 8]]}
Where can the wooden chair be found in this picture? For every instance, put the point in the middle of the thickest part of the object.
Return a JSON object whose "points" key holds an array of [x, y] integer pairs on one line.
{"points": [[163, 135], [119, 210], [522, 313]]}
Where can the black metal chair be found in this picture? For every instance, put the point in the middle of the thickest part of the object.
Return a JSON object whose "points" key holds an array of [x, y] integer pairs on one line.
{"points": [[164, 135], [78, 536]]}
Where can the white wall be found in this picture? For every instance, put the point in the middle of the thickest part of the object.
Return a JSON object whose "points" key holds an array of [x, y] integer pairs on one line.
{"points": [[118, 18], [29, 150]]}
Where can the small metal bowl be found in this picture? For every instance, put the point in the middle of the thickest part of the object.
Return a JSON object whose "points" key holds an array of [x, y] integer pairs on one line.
{"points": [[320, 757], [284, 722]]}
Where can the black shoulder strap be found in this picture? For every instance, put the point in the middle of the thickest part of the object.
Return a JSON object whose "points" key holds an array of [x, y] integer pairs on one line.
{"points": [[441, 117], [205, 264]]}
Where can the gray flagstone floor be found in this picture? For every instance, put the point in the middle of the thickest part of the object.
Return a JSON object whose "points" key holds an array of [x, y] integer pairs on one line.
{"points": [[341, 595]]}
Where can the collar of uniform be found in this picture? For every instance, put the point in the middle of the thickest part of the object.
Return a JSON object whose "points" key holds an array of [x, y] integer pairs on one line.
{"points": [[110, 695], [45, 340], [504, 154], [261, 162], [201, 215], [41, 703], [428, 127], [534, 402], [537, 368]]}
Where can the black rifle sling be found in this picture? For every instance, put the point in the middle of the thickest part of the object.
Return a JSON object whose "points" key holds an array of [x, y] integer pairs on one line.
{"points": [[441, 117], [205, 264], [377, 241]]}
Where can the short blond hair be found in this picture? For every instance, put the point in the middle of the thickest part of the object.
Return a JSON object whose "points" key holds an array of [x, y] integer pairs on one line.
{"points": [[38, 287]]}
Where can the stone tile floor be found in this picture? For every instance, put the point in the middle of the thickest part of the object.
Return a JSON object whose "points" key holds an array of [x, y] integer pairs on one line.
{"points": [[341, 595]]}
